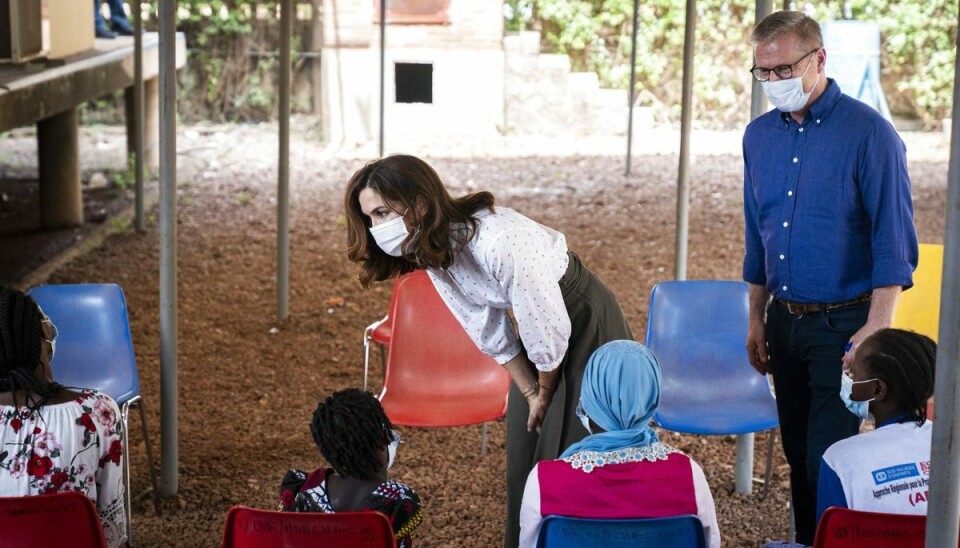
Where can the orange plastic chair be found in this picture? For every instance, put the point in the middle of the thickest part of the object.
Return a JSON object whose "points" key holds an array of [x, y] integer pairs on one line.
{"points": [[918, 308], [435, 374], [252, 528], [845, 528], [61, 519]]}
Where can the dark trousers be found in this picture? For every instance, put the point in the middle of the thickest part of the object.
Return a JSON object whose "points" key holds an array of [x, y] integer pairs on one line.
{"points": [[806, 353], [595, 319]]}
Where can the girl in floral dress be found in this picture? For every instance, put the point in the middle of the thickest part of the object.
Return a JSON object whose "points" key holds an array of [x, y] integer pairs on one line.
{"points": [[356, 438], [53, 439]]}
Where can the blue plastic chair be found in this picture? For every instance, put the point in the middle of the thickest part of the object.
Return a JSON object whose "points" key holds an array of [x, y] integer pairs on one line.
{"points": [[672, 532], [698, 331], [95, 350]]}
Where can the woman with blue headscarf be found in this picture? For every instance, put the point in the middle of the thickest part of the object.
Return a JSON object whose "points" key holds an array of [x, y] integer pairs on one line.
{"points": [[621, 470]]}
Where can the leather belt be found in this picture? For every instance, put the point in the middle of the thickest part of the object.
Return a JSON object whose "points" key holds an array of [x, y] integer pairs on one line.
{"points": [[798, 309]]}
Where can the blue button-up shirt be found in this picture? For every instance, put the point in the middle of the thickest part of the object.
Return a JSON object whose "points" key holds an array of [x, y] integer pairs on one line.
{"points": [[827, 206]]}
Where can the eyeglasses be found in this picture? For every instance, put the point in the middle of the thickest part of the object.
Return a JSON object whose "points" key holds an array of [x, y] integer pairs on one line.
{"points": [[783, 72]]}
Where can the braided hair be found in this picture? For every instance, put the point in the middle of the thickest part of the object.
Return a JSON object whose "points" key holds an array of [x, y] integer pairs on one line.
{"points": [[21, 337], [351, 428], [905, 361]]}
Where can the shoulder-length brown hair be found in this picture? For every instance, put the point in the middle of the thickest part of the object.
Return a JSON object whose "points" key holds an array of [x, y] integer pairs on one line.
{"points": [[442, 224]]}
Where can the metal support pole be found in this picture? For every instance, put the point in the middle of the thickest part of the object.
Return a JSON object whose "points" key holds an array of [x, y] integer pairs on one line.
{"points": [[383, 65], [683, 175], [743, 475], [138, 216], [169, 442], [136, 127], [633, 84], [758, 101], [283, 184], [943, 512], [744, 471]]}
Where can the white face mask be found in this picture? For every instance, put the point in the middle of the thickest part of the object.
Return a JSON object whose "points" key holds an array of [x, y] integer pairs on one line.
{"points": [[858, 408], [391, 235], [53, 334], [788, 95], [392, 449], [584, 419]]}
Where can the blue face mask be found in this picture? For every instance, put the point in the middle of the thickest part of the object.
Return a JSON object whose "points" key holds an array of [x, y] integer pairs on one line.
{"points": [[584, 419], [858, 408]]}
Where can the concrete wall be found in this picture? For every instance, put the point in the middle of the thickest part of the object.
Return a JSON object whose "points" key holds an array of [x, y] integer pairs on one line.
{"points": [[467, 58]]}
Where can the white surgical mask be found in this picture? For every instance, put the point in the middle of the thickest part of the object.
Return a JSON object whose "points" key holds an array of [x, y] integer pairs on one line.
{"points": [[584, 419], [391, 235], [858, 408], [788, 95], [53, 337], [392, 448]]}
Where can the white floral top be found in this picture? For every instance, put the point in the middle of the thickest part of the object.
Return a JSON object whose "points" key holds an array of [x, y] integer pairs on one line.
{"points": [[71, 446], [513, 263]]}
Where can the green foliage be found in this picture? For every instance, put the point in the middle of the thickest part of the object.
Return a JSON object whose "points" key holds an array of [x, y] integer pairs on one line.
{"points": [[919, 40], [918, 50], [232, 64], [125, 179]]}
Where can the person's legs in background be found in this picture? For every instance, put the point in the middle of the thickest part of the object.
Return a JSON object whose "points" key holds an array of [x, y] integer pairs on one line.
{"points": [[118, 18], [99, 25]]}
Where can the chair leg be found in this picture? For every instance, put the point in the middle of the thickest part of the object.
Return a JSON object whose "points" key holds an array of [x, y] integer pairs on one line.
{"points": [[366, 357], [127, 508], [483, 441], [150, 463], [768, 470]]}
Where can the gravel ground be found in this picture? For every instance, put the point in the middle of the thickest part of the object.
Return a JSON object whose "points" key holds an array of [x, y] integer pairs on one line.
{"points": [[248, 383]]}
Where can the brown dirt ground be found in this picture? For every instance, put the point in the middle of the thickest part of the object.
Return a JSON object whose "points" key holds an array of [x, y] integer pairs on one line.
{"points": [[247, 390]]}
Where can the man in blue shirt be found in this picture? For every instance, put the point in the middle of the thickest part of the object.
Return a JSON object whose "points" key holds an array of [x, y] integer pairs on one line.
{"points": [[830, 241]]}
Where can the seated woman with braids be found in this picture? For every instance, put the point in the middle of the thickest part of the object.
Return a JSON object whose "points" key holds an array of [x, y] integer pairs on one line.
{"points": [[355, 436], [888, 468], [53, 439]]}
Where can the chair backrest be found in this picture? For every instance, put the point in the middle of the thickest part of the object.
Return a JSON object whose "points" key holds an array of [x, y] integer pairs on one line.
{"points": [[252, 528], [918, 308], [672, 532], [61, 519], [94, 346], [843, 528], [436, 376], [698, 330]]}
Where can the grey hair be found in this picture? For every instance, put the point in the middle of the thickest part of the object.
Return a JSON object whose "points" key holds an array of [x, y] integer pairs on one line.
{"points": [[780, 23]]}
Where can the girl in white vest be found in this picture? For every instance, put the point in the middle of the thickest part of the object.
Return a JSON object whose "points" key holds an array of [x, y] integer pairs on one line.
{"points": [[887, 469]]}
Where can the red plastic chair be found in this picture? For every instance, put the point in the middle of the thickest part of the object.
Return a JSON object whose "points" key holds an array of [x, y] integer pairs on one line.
{"points": [[843, 528], [61, 519], [435, 375], [252, 528], [380, 332]]}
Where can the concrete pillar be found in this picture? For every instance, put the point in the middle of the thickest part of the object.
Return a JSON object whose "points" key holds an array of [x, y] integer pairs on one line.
{"points": [[151, 123], [61, 198]]}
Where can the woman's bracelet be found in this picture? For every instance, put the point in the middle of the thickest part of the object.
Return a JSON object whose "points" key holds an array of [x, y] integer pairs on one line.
{"points": [[545, 387], [532, 391]]}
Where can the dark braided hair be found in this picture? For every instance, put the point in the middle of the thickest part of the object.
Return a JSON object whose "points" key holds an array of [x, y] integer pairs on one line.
{"points": [[21, 337], [905, 361], [350, 428]]}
